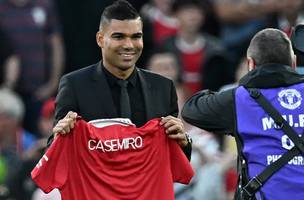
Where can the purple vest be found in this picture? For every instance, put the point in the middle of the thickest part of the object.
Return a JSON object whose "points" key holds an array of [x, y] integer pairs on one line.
{"points": [[264, 144]]}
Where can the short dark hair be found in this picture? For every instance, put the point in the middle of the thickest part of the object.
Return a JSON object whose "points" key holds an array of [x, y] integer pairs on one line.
{"points": [[270, 46], [120, 10]]}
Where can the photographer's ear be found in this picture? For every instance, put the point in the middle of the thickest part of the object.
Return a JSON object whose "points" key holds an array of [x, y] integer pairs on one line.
{"points": [[251, 63]]}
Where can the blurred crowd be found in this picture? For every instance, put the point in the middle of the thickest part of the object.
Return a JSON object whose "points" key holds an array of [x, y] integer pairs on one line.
{"points": [[198, 44]]}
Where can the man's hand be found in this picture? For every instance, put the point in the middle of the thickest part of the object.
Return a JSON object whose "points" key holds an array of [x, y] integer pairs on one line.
{"points": [[175, 129], [66, 124]]}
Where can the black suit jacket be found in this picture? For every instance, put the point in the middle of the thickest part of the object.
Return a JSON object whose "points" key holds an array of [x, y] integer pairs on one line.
{"points": [[86, 91]]}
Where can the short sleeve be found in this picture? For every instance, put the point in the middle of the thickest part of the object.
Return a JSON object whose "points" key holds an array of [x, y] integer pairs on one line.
{"points": [[181, 168], [52, 169]]}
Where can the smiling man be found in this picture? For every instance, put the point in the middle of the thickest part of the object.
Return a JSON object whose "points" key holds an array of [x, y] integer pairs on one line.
{"points": [[115, 87]]}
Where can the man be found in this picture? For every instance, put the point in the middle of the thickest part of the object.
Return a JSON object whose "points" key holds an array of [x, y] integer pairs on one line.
{"points": [[200, 56], [271, 63], [93, 92]]}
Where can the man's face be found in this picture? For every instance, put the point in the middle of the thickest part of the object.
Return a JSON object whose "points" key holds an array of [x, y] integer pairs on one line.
{"points": [[121, 42], [164, 64], [190, 18]]}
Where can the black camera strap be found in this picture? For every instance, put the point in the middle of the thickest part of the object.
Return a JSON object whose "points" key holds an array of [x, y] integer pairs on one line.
{"points": [[258, 181]]}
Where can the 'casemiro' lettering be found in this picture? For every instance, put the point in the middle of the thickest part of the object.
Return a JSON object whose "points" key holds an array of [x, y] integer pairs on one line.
{"points": [[115, 144]]}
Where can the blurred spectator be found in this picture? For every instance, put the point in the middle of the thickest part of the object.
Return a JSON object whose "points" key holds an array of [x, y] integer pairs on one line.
{"points": [[9, 63], [241, 19], [201, 56], [32, 28], [12, 132], [165, 63], [24, 186], [158, 15], [11, 113], [211, 167], [290, 14], [159, 24]]}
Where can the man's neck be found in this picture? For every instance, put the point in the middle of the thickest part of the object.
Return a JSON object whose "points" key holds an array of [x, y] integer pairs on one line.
{"points": [[120, 73]]}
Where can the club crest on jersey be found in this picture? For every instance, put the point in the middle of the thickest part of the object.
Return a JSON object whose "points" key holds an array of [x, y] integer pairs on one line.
{"points": [[290, 98]]}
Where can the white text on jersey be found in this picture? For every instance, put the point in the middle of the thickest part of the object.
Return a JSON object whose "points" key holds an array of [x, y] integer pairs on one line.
{"points": [[115, 144]]}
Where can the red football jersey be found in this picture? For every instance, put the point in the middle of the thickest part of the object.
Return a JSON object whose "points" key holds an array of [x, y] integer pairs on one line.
{"points": [[113, 162]]}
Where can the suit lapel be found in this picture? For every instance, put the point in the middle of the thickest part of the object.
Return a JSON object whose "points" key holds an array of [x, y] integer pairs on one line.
{"points": [[147, 91], [103, 94]]}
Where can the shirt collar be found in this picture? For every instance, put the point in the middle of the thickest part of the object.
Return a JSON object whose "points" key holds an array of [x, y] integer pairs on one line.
{"points": [[112, 80], [271, 75]]}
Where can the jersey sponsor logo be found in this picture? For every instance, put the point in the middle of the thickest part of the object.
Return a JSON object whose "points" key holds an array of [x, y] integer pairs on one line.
{"points": [[115, 144], [290, 98]]}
